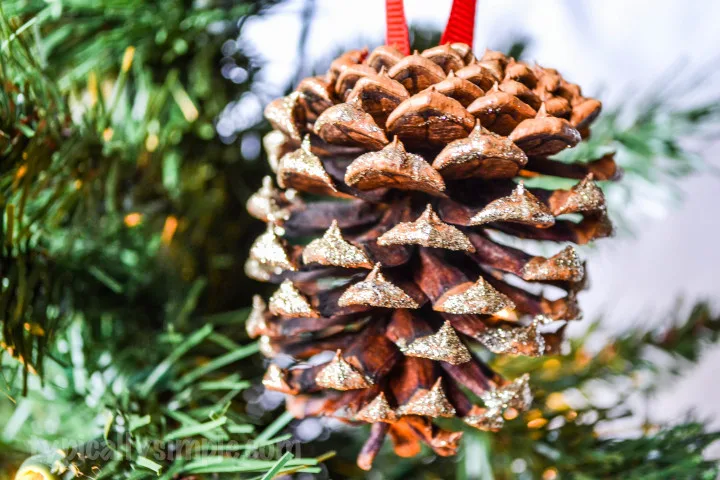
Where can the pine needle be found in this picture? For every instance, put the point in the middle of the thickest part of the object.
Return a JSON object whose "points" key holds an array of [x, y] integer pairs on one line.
{"points": [[177, 353]]}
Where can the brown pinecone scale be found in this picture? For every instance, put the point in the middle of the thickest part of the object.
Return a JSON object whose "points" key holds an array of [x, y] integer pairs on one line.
{"points": [[400, 181]]}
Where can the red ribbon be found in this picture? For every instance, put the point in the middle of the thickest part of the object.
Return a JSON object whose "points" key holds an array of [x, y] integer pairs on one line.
{"points": [[461, 24], [460, 27], [397, 30]]}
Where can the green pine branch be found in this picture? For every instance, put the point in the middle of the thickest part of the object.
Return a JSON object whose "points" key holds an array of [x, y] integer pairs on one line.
{"points": [[168, 414], [110, 214]]}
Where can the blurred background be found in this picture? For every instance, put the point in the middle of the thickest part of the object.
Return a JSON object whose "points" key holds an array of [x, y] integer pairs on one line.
{"points": [[141, 130]]}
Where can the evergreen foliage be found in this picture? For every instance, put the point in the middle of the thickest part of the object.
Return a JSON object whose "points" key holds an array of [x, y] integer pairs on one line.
{"points": [[122, 241]]}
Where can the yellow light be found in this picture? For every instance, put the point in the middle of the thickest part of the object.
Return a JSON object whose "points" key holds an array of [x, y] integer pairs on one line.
{"points": [[92, 88], [550, 474], [534, 413], [128, 58], [556, 401], [582, 358], [552, 364], [34, 329], [21, 171], [108, 134], [152, 142], [169, 228], [188, 108], [537, 423], [133, 219], [510, 413]]}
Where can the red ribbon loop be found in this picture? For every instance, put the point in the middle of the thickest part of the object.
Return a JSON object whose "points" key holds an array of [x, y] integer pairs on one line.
{"points": [[461, 24], [397, 30]]}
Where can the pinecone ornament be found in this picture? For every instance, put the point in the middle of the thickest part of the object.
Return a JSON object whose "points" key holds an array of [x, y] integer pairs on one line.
{"points": [[383, 285]]}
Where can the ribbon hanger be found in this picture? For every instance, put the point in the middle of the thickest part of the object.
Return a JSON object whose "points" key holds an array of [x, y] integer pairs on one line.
{"points": [[460, 27]]}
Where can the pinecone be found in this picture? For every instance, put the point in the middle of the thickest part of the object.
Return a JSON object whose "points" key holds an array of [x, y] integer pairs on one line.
{"points": [[382, 288]]}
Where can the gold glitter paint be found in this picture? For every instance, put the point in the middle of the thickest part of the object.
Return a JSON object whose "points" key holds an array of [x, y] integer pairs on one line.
{"points": [[477, 298], [378, 410], [429, 231], [585, 197], [444, 345], [269, 251], [345, 113], [333, 249], [394, 167], [287, 301], [257, 271], [273, 143], [340, 375], [488, 420], [255, 323], [514, 395], [525, 341], [265, 347], [281, 115], [564, 266], [263, 204], [480, 146], [428, 403], [376, 291], [276, 380], [307, 166], [521, 206]]}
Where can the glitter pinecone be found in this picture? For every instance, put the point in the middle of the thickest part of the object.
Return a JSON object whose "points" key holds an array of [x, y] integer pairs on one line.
{"points": [[383, 287]]}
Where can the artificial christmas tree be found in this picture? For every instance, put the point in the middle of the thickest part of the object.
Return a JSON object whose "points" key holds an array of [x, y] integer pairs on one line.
{"points": [[408, 262]]}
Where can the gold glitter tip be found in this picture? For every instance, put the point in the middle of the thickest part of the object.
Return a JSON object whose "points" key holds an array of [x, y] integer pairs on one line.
{"points": [[485, 419], [428, 403], [276, 380], [287, 301], [481, 154], [515, 394], [256, 323], [473, 298], [274, 142], [585, 197], [375, 291], [378, 410], [269, 251], [564, 266], [257, 271], [333, 249], [444, 345], [525, 341], [263, 204], [303, 170], [521, 207], [428, 231], [394, 167], [340, 375], [281, 113], [265, 347]]}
